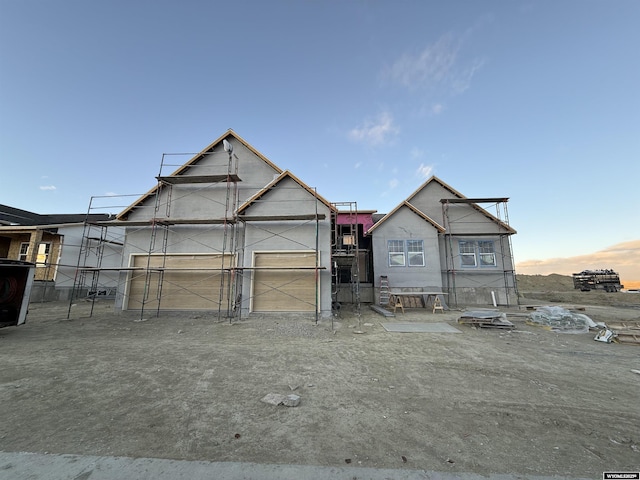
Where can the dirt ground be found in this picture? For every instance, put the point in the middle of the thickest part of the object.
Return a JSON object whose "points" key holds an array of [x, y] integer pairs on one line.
{"points": [[188, 386]]}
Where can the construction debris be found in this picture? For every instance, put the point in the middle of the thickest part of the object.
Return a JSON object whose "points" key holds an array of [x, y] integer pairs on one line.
{"points": [[486, 319], [625, 332], [382, 311], [605, 335], [279, 399], [561, 320]]}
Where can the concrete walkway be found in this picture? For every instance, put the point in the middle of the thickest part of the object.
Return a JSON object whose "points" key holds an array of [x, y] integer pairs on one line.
{"points": [[35, 466]]}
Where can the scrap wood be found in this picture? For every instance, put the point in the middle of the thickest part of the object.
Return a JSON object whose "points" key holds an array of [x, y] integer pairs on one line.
{"points": [[626, 332], [485, 319], [624, 325], [627, 338]]}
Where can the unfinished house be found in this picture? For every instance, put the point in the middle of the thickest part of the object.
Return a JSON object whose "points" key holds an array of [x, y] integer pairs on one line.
{"points": [[437, 240], [228, 232], [53, 243], [352, 256]]}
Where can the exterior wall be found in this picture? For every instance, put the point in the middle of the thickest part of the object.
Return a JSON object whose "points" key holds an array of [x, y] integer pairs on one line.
{"points": [[289, 198], [474, 285], [406, 225], [70, 258], [469, 285], [197, 201], [461, 217], [207, 201]]}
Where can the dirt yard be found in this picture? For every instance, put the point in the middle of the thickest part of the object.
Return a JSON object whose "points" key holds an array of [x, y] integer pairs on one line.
{"points": [[188, 386]]}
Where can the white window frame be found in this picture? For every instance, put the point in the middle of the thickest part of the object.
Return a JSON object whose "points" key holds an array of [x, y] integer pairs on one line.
{"points": [[415, 250], [468, 253], [477, 253], [403, 253], [486, 251], [395, 249], [23, 256]]}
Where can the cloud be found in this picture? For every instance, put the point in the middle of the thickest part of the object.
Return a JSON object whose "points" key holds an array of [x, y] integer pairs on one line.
{"points": [[357, 165], [437, 109], [48, 187], [429, 67], [393, 183], [424, 171], [624, 258], [375, 132], [416, 153], [437, 67], [463, 80]]}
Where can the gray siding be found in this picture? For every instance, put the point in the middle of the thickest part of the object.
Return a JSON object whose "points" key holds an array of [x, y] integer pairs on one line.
{"points": [[407, 225]]}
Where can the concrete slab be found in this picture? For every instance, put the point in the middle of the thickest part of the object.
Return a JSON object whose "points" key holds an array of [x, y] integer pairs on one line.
{"points": [[420, 328]]}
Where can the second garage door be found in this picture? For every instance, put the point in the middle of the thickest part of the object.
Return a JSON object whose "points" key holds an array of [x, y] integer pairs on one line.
{"points": [[284, 282]]}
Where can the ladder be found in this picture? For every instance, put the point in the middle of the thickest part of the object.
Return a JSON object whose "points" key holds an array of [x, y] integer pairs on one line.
{"points": [[384, 290]]}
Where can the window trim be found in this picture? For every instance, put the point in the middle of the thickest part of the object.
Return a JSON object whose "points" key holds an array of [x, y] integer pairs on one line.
{"points": [[405, 252], [23, 256], [396, 253], [492, 253], [420, 252], [477, 253], [467, 254]]}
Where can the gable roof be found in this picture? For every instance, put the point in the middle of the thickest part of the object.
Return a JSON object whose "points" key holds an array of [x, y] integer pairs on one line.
{"points": [[194, 160], [470, 201], [435, 179], [435, 224], [274, 183]]}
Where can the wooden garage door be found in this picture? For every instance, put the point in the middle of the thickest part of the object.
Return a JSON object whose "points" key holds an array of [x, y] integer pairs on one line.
{"points": [[279, 287], [191, 282]]}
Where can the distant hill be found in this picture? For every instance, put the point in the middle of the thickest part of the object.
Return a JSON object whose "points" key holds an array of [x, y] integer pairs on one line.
{"points": [[558, 290], [544, 283]]}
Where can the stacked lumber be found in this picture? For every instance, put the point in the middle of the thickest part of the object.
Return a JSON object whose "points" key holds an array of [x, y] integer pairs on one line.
{"points": [[626, 332], [486, 319]]}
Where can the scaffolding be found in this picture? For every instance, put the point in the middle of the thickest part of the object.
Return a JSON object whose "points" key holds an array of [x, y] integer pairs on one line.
{"points": [[458, 227], [218, 232], [345, 251]]}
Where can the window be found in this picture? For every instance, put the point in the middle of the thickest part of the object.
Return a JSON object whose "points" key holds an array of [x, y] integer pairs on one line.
{"points": [[467, 254], [24, 252], [398, 255], [415, 253], [43, 254], [486, 254], [474, 252]]}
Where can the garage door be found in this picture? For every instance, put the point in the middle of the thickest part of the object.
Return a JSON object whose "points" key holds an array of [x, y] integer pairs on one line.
{"points": [[278, 285], [190, 282]]}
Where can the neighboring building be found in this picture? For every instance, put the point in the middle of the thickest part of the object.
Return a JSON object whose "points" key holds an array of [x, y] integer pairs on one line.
{"points": [[53, 242], [438, 240]]}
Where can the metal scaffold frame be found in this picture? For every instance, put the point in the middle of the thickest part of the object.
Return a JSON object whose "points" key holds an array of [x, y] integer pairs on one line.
{"points": [[504, 240], [345, 251], [164, 222]]}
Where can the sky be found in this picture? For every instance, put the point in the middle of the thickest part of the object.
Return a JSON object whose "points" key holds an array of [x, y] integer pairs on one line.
{"points": [[537, 101]]}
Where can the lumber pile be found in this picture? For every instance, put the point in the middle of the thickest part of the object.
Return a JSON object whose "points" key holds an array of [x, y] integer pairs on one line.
{"points": [[626, 332], [486, 319]]}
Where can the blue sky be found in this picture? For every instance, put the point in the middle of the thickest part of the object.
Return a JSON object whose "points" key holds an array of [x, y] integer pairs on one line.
{"points": [[537, 101]]}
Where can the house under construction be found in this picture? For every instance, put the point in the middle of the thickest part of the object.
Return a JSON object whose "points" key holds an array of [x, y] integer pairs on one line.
{"points": [[228, 231]]}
